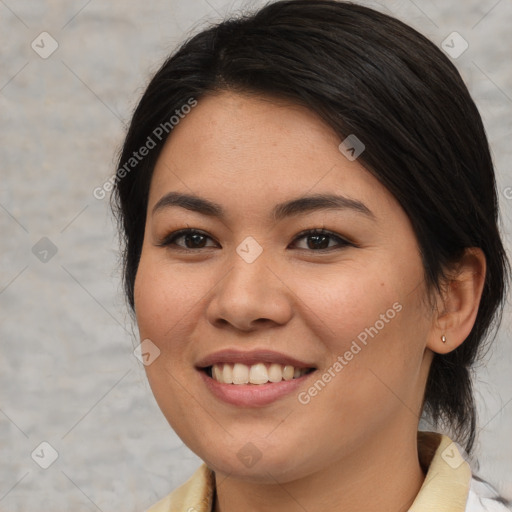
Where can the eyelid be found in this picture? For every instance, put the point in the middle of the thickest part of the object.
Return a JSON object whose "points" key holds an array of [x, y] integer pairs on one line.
{"points": [[171, 237], [343, 242]]}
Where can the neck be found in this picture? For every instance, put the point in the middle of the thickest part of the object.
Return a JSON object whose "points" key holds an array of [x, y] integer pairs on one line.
{"points": [[382, 475]]}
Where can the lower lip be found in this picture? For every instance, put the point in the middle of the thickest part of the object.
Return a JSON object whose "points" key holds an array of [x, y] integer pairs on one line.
{"points": [[252, 395]]}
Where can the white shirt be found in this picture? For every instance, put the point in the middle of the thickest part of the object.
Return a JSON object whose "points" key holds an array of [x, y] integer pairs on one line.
{"points": [[483, 498]]}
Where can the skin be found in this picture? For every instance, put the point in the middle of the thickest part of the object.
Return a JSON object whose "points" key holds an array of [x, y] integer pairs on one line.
{"points": [[353, 446]]}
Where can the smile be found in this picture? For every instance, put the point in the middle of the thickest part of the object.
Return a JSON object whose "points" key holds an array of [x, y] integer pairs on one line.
{"points": [[259, 373], [253, 378]]}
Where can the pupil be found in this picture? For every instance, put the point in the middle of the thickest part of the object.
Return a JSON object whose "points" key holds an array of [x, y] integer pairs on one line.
{"points": [[319, 242], [196, 240]]}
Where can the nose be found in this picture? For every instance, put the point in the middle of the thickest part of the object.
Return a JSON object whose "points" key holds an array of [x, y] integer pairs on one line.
{"points": [[251, 296]]}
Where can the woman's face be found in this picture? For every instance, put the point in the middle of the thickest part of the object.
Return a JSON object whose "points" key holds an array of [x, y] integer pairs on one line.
{"points": [[345, 306]]}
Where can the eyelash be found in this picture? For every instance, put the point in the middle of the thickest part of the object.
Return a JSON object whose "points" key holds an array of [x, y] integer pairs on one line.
{"points": [[170, 239]]}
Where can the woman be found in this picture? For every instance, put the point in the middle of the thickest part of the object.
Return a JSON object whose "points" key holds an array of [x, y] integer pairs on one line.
{"points": [[311, 251]]}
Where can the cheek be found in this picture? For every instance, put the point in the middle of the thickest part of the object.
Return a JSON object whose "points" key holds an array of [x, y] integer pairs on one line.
{"points": [[164, 298], [350, 301], [164, 304], [164, 308], [374, 318]]}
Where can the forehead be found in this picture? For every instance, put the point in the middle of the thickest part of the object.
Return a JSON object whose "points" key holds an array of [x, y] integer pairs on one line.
{"points": [[254, 151]]}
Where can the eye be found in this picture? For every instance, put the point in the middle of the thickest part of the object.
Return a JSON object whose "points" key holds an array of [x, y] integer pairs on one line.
{"points": [[187, 239], [315, 239], [321, 240]]}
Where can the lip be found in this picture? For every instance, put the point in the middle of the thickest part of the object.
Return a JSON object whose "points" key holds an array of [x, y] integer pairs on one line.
{"points": [[252, 395], [251, 357]]}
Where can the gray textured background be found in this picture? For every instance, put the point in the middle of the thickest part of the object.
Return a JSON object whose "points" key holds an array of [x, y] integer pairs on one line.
{"points": [[67, 372]]}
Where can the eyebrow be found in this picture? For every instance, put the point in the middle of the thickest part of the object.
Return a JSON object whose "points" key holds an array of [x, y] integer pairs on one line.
{"points": [[290, 208]]}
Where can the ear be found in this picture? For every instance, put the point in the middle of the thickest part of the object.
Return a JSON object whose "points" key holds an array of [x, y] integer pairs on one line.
{"points": [[458, 303]]}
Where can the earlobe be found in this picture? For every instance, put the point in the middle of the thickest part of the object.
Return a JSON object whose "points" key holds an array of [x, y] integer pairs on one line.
{"points": [[459, 303]]}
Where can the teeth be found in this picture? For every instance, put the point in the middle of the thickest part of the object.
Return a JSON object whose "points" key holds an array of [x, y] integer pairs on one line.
{"points": [[227, 374], [259, 373], [217, 372], [240, 374], [288, 372], [275, 373]]}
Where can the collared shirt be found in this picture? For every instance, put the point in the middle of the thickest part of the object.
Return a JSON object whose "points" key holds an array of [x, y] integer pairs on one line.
{"points": [[448, 484]]}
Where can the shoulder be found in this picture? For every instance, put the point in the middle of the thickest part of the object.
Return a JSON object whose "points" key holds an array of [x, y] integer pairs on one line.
{"points": [[482, 497]]}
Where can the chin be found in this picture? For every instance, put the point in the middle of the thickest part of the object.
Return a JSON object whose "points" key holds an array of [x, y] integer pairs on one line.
{"points": [[252, 462]]}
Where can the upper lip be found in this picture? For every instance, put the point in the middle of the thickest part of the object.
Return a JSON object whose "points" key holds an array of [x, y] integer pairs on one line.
{"points": [[250, 357]]}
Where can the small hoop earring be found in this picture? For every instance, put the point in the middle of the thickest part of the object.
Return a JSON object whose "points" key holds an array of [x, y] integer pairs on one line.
{"points": [[443, 338]]}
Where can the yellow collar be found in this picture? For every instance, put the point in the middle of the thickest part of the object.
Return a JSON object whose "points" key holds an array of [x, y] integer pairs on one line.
{"points": [[445, 488], [447, 482]]}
